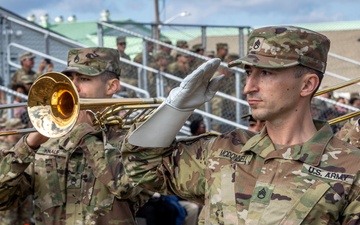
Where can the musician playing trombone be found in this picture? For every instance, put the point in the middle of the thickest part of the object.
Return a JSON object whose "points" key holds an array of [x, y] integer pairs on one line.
{"points": [[293, 172], [78, 178]]}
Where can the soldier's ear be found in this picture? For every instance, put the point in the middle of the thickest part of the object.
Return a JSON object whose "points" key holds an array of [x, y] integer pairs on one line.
{"points": [[112, 86], [310, 82]]}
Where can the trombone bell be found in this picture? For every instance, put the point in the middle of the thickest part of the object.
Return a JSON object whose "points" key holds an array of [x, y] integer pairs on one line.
{"points": [[53, 104]]}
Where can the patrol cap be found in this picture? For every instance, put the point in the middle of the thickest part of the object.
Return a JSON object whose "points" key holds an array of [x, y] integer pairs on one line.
{"points": [[210, 53], [182, 43], [93, 61], [165, 40], [197, 47], [285, 46], [178, 53], [28, 79], [26, 55], [120, 40], [222, 46], [160, 55]]}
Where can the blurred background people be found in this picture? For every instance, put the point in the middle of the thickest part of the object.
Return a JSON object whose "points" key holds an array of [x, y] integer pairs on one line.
{"points": [[27, 61]]}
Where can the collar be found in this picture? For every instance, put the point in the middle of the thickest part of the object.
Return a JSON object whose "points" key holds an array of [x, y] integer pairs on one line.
{"points": [[309, 152]]}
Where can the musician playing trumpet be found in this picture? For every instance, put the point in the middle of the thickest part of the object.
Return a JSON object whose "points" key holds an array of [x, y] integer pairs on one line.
{"points": [[77, 178]]}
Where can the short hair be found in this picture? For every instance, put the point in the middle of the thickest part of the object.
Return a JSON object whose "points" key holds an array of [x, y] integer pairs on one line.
{"points": [[300, 70], [353, 99], [107, 75], [195, 124]]}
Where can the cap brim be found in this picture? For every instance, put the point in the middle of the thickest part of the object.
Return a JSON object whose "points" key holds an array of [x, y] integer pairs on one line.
{"points": [[84, 70], [263, 62]]}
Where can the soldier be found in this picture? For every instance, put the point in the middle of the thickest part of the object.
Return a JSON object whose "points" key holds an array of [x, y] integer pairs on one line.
{"points": [[180, 44], [128, 72], [254, 125], [150, 58], [350, 132], [210, 54], [293, 172], [164, 50], [27, 65], [23, 214], [195, 62], [179, 68], [77, 178], [222, 50], [161, 64]]}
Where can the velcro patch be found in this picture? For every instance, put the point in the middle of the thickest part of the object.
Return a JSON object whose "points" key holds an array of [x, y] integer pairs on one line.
{"points": [[347, 178], [236, 157]]}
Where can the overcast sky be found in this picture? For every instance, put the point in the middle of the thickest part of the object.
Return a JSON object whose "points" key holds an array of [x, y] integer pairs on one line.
{"points": [[208, 12]]}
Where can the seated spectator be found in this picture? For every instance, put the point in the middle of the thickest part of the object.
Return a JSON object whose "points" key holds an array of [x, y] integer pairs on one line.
{"points": [[254, 124], [20, 88], [197, 127], [222, 50], [355, 102]]}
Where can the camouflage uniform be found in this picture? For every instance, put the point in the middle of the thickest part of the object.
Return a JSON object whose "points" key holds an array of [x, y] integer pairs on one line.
{"points": [[350, 132], [177, 70], [247, 180], [78, 178], [22, 214], [17, 77], [129, 75], [242, 177]]}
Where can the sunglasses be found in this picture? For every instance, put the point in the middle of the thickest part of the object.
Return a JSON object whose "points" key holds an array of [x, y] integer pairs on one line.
{"points": [[122, 43]]}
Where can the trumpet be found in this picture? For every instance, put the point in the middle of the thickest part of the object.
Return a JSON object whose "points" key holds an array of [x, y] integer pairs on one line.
{"points": [[53, 107]]}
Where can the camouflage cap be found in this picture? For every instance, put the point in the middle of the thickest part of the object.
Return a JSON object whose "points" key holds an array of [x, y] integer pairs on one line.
{"points": [[181, 43], [222, 45], [197, 47], [26, 55], [160, 55], [285, 46], [210, 53], [165, 40], [93, 61], [120, 40]]}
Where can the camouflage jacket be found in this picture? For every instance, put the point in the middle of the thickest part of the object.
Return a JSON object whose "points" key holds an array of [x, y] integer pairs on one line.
{"points": [[241, 178], [21, 215], [16, 78], [127, 71], [77, 179], [350, 132]]}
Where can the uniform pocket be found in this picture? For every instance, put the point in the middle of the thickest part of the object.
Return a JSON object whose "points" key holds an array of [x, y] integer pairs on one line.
{"points": [[47, 182], [228, 200], [96, 195], [306, 203]]}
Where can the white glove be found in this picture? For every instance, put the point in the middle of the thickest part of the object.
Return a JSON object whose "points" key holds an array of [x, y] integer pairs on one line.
{"points": [[196, 88], [160, 129]]}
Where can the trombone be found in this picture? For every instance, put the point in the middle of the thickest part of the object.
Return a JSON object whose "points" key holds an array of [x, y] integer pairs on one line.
{"points": [[53, 107], [336, 87]]}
